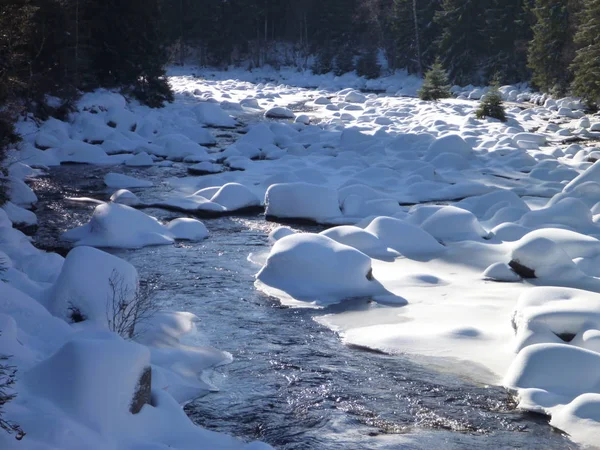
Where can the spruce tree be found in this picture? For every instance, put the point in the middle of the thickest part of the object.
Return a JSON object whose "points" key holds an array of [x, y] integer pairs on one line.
{"points": [[491, 105], [462, 43], [127, 48], [508, 29], [323, 61], [413, 49], [344, 61], [436, 85], [552, 49], [586, 65], [367, 65]]}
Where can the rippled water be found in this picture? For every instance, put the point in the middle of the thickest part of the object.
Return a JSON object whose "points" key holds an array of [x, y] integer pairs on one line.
{"points": [[293, 383]]}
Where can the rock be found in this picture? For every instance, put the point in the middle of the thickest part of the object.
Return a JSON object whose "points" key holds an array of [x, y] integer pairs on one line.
{"points": [[143, 393], [521, 270]]}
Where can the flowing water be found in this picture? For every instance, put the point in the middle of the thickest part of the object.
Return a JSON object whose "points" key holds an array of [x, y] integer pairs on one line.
{"points": [[293, 383]]}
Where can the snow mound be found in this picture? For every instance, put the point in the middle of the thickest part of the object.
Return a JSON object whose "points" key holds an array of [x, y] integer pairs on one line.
{"points": [[580, 419], [534, 256], [214, 116], [142, 159], [279, 112], [234, 196], [407, 239], [85, 285], [102, 383], [500, 272], [279, 233], [125, 197], [187, 229], [119, 226], [454, 224], [120, 181], [315, 268], [302, 201], [451, 143], [360, 239]]}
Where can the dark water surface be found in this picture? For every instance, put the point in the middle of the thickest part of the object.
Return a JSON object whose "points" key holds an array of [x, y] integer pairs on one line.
{"points": [[293, 383]]}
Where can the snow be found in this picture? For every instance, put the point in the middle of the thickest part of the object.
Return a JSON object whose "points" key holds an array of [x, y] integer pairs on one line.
{"points": [[316, 269], [234, 196], [407, 239], [493, 204], [102, 378], [142, 159], [213, 115], [302, 201], [125, 197], [360, 239], [279, 112], [85, 285], [115, 225], [187, 229], [118, 181]]}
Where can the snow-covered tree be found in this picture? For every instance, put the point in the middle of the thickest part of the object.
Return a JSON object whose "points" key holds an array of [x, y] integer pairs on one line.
{"points": [[586, 65], [367, 65], [491, 105], [436, 84], [552, 49]]}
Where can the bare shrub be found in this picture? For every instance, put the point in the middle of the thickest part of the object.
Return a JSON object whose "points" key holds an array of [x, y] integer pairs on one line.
{"points": [[125, 310], [7, 379]]}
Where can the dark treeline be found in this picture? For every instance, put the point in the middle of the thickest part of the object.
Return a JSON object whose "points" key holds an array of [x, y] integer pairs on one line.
{"points": [[63, 47]]}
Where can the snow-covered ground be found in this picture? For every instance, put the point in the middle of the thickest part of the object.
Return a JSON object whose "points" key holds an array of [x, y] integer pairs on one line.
{"points": [[492, 273]]}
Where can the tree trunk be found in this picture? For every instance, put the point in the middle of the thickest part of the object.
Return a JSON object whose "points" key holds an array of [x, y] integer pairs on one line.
{"points": [[417, 39]]}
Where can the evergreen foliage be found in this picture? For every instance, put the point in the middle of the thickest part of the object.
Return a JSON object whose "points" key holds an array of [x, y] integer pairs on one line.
{"points": [[552, 49], [344, 61], [367, 65], [7, 380], [436, 84], [462, 42], [586, 65], [323, 61], [491, 105]]}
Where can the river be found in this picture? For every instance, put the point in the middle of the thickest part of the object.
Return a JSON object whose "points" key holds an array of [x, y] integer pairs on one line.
{"points": [[292, 383]]}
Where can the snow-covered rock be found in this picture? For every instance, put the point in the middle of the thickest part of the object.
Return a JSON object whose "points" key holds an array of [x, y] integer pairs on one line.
{"points": [[302, 201], [120, 181], [213, 115], [114, 225], [279, 112], [89, 282], [234, 196], [317, 269], [187, 229]]}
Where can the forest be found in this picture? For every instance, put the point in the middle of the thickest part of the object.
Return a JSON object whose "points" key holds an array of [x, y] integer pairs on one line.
{"points": [[61, 47]]}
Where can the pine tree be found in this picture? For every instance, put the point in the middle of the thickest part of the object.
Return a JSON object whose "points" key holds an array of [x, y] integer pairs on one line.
{"points": [[367, 65], [413, 48], [344, 61], [127, 48], [491, 105], [436, 85], [586, 65], [462, 43], [508, 29], [552, 49], [323, 61]]}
